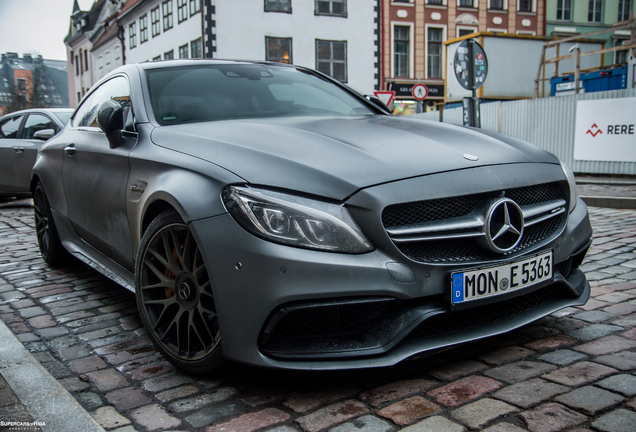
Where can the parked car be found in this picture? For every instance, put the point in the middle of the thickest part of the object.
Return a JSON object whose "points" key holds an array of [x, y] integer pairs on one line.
{"points": [[22, 133], [268, 214]]}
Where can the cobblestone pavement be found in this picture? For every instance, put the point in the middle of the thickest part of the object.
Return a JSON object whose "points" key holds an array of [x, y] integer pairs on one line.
{"points": [[574, 370]]}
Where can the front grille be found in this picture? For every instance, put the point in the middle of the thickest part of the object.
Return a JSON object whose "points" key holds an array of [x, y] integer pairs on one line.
{"points": [[452, 322], [461, 246]]}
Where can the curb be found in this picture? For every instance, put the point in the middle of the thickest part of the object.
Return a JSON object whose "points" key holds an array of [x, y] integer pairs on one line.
{"points": [[46, 400], [610, 202]]}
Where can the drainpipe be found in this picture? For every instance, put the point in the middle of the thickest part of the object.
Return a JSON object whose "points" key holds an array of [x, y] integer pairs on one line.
{"points": [[121, 37]]}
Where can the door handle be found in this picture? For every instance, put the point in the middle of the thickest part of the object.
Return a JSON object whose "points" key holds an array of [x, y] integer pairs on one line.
{"points": [[70, 150], [19, 150]]}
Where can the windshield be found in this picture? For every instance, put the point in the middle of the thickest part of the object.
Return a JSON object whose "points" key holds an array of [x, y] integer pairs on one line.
{"points": [[63, 116], [220, 92]]}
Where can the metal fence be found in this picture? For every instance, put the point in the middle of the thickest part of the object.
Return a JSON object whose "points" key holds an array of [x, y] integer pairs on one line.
{"points": [[547, 123]]}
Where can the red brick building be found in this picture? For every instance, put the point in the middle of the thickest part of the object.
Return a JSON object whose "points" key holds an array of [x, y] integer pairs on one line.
{"points": [[413, 32]]}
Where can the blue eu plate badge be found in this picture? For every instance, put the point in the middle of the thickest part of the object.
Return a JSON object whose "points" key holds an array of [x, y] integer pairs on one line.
{"points": [[458, 287]]}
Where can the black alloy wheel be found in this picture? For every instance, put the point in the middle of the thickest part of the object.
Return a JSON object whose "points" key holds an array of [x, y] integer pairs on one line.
{"points": [[174, 296], [49, 242]]}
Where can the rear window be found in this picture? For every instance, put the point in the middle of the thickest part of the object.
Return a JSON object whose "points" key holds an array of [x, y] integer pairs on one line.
{"points": [[220, 92], [63, 116]]}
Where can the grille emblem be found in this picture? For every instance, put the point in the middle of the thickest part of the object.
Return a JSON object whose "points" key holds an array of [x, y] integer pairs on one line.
{"points": [[504, 226]]}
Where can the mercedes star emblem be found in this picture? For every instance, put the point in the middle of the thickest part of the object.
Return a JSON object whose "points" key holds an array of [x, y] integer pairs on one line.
{"points": [[504, 225]]}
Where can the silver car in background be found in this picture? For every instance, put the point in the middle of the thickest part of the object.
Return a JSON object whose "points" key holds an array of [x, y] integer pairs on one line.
{"points": [[22, 133], [268, 214]]}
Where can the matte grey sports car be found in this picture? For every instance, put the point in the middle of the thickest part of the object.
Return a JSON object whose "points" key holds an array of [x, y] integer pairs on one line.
{"points": [[22, 133], [268, 214]]}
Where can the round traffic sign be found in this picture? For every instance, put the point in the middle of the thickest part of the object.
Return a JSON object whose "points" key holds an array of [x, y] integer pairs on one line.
{"points": [[420, 91], [471, 64]]}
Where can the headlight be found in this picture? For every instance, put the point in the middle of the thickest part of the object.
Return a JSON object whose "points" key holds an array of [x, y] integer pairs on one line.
{"points": [[572, 182], [295, 221]]}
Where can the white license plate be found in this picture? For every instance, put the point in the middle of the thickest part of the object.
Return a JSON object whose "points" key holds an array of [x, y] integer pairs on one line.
{"points": [[489, 282]]}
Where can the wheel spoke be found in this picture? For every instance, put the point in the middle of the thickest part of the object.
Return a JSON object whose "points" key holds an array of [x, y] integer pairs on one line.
{"points": [[169, 265], [207, 327], [162, 277]]}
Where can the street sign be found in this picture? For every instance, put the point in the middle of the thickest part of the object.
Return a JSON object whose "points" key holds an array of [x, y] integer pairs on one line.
{"points": [[420, 91], [385, 96], [470, 64]]}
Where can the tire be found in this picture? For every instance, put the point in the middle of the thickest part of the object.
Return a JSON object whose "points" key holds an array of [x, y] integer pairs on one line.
{"points": [[49, 242], [174, 296]]}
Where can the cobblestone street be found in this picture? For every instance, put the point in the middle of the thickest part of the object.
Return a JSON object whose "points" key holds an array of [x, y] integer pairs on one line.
{"points": [[572, 371]]}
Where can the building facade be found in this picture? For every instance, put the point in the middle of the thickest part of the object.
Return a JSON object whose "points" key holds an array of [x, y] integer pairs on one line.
{"points": [[32, 82], [413, 32], [577, 17], [337, 37], [161, 29]]}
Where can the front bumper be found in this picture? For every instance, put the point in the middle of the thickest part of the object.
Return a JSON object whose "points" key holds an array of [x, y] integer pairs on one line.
{"points": [[398, 304]]}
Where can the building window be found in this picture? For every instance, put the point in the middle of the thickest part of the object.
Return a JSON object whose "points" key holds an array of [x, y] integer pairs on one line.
{"points": [[496, 4], [167, 15], [132, 35], [195, 48], [183, 51], [195, 7], [85, 60], [182, 10], [465, 31], [143, 28], [168, 55], [156, 58], [434, 52], [21, 83], [401, 50], [154, 17], [564, 10], [621, 57], [107, 61], [278, 50], [432, 2], [525, 5], [76, 66], [100, 66], [623, 9], [465, 3], [594, 11], [277, 5], [331, 58], [117, 56], [331, 7]]}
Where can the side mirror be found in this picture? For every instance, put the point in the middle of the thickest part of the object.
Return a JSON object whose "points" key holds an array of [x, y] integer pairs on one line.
{"points": [[378, 102], [44, 134], [110, 119]]}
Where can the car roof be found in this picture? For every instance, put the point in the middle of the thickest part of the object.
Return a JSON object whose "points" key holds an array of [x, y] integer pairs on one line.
{"points": [[39, 110], [162, 64]]}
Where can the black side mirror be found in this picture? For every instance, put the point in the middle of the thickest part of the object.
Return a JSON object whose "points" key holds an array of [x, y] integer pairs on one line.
{"points": [[110, 119]]}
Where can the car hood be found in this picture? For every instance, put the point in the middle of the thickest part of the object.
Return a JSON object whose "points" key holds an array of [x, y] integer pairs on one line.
{"points": [[335, 156]]}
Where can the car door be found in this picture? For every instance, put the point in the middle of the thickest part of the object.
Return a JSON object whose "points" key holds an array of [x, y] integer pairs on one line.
{"points": [[26, 149], [9, 138], [94, 177]]}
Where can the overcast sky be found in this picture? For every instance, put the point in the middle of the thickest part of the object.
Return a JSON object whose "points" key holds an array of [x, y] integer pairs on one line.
{"points": [[36, 26]]}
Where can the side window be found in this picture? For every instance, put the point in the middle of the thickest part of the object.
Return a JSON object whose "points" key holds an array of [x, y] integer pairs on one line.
{"points": [[116, 89], [9, 128], [36, 122]]}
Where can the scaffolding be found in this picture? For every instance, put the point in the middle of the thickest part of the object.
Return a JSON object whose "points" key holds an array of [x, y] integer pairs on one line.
{"points": [[629, 24]]}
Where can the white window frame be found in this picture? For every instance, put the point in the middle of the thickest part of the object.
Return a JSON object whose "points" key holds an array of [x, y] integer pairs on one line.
{"points": [[411, 46], [505, 6], [465, 27], [443, 59], [475, 5], [532, 10]]}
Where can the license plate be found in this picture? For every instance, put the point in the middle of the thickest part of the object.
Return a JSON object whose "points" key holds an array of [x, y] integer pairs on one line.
{"points": [[493, 281]]}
